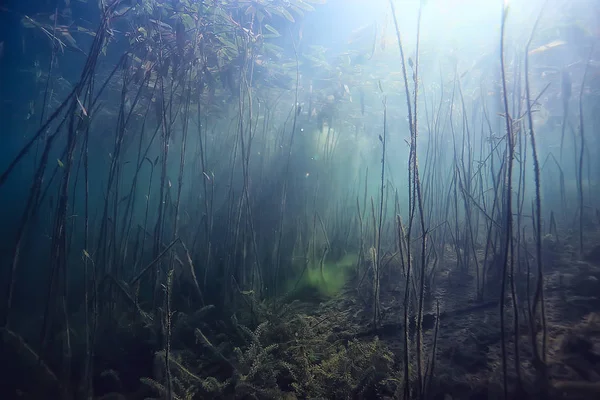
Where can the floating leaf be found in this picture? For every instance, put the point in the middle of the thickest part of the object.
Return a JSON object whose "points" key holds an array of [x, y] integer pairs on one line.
{"points": [[285, 13], [272, 30], [122, 11], [67, 36], [548, 46], [188, 21], [273, 49], [161, 24], [227, 43], [297, 10], [27, 22], [301, 4], [60, 163], [83, 110], [290, 65], [85, 30]]}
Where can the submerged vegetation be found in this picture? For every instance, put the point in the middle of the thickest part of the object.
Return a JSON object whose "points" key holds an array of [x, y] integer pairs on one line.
{"points": [[203, 200]]}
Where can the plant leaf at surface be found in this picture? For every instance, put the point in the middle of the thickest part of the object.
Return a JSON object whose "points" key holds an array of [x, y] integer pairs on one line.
{"points": [[547, 46], [302, 5], [285, 13], [272, 30]]}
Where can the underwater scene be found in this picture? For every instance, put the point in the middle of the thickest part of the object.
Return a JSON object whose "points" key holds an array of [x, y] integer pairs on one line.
{"points": [[299, 199]]}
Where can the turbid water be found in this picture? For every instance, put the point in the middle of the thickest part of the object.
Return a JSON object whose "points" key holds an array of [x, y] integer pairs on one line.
{"points": [[299, 199]]}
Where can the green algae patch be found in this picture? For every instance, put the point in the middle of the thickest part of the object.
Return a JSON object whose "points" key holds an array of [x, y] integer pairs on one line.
{"points": [[330, 279]]}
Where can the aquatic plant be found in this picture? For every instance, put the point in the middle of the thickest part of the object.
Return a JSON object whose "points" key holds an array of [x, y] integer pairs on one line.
{"points": [[252, 214]]}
